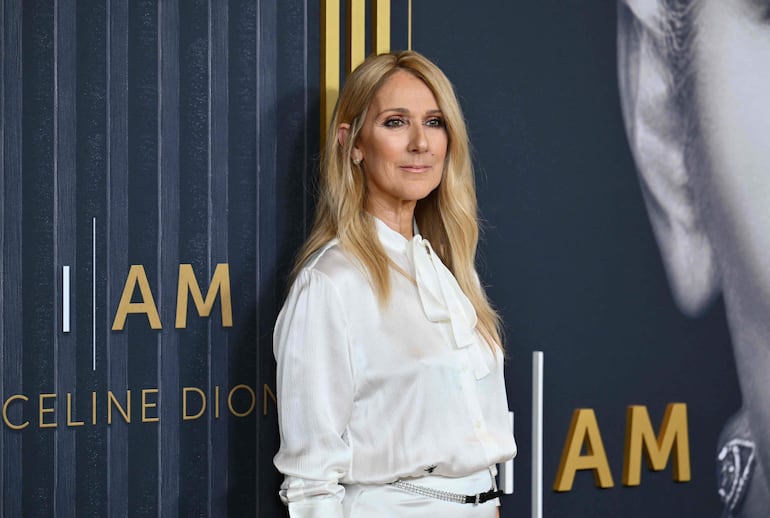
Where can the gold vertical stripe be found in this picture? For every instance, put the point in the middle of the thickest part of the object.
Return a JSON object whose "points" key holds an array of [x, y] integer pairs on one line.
{"points": [[409, 27], [356, 28], [381, 26], [330, 61]]}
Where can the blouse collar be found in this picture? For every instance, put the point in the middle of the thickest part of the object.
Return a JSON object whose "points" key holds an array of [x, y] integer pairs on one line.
{"points": [[389, 238], [441, 297]]}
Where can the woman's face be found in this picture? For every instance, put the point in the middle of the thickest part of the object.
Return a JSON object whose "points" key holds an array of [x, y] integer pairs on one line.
{"points": [[732, 105], [731, 176], [402, 144]]}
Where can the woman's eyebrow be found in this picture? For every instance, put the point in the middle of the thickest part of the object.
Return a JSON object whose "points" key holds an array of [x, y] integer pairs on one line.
{"points": [[405, 111]]}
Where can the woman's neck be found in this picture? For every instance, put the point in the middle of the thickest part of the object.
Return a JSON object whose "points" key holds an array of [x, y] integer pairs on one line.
{"points": [[400, 219]]}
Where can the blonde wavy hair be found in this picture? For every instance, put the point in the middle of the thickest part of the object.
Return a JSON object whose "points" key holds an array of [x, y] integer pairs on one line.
{"points": [[447, 217]]}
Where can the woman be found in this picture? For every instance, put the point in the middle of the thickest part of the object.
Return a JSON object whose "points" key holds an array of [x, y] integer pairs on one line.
{"points": [[390, 370]]}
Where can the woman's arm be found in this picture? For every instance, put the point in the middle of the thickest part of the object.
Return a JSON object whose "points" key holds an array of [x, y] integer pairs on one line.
{"points": [[315, 397]]}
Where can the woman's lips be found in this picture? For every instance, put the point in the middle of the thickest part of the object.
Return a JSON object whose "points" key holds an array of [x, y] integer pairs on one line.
{"points": [[416, 168]]}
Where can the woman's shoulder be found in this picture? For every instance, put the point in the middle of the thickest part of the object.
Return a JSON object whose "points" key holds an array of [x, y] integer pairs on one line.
{"points": [[329, 283], [333, 263]]}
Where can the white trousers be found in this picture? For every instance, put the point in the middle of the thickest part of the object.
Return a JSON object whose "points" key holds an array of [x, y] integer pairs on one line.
{"points": [[385, 501]]}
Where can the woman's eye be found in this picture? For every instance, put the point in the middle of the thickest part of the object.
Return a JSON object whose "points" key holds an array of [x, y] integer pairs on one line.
{"points": [[394, 122], [435, 122]]}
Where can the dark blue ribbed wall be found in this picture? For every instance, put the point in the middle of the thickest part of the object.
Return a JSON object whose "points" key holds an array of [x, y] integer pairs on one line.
{"points": [[187, 129]]}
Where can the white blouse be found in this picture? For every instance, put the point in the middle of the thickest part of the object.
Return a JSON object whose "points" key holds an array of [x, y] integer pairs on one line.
{"points": [[370, 394]]}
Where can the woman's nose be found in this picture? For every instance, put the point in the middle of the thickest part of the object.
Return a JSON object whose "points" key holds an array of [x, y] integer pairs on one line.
{"points": [[418, 142]]}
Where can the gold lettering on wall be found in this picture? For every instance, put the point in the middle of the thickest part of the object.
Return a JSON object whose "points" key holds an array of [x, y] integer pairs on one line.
{"points": [[220, 283], [583, 430], [266, 392], [136, 276], [45, 410], [70, 421], [252, 397], [201, 395], [640, 436], [196, 401], [125, 412], [187, 285], [8, 423], [148, 404]]}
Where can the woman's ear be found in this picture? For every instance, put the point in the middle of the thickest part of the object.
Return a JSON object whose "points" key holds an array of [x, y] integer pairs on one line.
{"points": [[343, 133], [656, 129]]}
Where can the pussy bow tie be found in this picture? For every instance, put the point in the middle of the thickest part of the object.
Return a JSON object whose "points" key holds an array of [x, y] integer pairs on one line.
{"points": [[443, 300]]}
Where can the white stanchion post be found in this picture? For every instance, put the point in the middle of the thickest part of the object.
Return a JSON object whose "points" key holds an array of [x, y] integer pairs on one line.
{"points": [[506, 469], [93, 294], [65, 299], [537, 434]]}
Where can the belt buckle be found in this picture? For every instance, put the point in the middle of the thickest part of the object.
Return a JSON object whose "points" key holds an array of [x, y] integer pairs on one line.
{"points": [[478, 498]]}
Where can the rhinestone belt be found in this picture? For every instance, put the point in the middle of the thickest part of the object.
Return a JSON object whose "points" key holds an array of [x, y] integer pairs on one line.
{"points": [[447, 496]]}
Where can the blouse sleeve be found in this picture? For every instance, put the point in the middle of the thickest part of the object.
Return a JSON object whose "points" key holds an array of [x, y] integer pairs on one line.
{"points": [[315, 397]]}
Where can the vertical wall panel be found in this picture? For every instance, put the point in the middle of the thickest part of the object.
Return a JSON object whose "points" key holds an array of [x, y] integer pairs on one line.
{"points": [[65, 239], [2, 240], [296, 152], [2, 234], [143, 205], [267, 250], [242, 246], [168, 255], [91, 263], [11, 314], [37, 214], [193, 245], [115, 345], [218, 241], [294, 116]]}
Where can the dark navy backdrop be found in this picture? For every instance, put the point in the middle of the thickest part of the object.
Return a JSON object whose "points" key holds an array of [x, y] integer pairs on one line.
{"points": [[568, 253], [189, 130], [186, 129]]}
